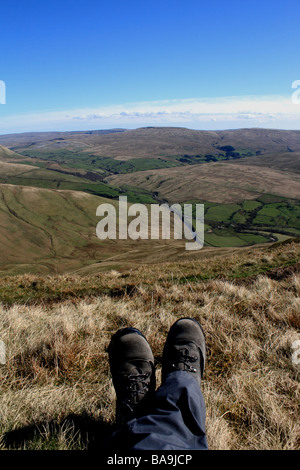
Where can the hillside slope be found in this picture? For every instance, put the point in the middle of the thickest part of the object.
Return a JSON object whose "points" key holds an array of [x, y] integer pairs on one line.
{"points": [[216, 182], [52, 231], [48, 231], [157, 141], [56, 391]]}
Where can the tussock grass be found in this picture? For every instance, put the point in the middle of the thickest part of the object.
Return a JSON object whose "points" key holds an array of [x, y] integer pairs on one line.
{"points": [[56, 390]]}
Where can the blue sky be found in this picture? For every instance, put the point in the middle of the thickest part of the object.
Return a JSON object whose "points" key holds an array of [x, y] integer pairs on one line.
{"points": [[71, 65]]}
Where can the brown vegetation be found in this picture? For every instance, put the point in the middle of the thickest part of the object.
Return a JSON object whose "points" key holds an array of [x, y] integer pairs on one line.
{"points": [[56, 391], [156, 142], [224, 182]]}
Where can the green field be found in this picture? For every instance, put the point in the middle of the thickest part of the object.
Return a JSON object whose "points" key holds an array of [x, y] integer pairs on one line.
{"points": [[227, 238], [280, 214], [49, 179], [250, 222], [221, 212], [107, 165], [249, 206]]}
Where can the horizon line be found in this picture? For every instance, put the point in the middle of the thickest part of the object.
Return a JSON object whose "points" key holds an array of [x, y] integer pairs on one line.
{"points": [[125, 129]]}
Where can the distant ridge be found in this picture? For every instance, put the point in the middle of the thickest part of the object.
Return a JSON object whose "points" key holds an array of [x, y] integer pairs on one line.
{"points": [[157, 142]]}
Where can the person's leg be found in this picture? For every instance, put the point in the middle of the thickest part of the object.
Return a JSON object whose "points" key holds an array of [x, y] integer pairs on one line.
{"points": [[176, 419]]}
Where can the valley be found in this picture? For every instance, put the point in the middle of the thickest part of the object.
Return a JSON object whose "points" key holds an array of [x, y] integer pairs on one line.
{"points": [[52, 183]]}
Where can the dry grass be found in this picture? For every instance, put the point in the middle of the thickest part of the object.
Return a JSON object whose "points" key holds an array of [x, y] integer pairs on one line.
{"points": [[154, 142], [56, 391], [226, 182]]}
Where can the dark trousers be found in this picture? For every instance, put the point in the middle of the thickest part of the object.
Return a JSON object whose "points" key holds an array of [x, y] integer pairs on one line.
{"points": [[175, 420]]}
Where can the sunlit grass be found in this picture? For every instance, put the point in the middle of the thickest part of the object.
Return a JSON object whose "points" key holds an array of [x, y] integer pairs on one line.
{"points": [[56, 390]]}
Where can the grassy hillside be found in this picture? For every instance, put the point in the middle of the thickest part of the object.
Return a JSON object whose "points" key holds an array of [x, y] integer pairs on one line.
{"points": [[157, 142], [48, 231], [74, 171], [287, 161], [53, 231], [6, 154], [56, 391], [216, 182]]}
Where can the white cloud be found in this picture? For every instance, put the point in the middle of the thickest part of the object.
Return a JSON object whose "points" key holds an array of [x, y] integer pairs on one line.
{"points": [[206, 113]]}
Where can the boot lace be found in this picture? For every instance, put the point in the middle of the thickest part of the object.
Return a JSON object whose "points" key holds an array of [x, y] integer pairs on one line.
{"points": [[184, 358], [137, 385]]}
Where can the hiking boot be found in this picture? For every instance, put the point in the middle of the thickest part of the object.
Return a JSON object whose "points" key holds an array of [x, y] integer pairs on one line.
{"points": [[132, 369], [185, 349]]}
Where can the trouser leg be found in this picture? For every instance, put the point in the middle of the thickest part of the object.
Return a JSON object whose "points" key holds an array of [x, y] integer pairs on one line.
{"points": [[176, 419]]}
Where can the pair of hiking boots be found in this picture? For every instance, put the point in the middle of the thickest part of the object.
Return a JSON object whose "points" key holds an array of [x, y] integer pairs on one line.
{"points": [[132, 364]]}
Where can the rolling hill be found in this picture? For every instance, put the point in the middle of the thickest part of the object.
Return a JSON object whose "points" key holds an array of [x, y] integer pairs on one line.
{"points": [[215, 182], [52, 231], [248, 180], [157, 142]]}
